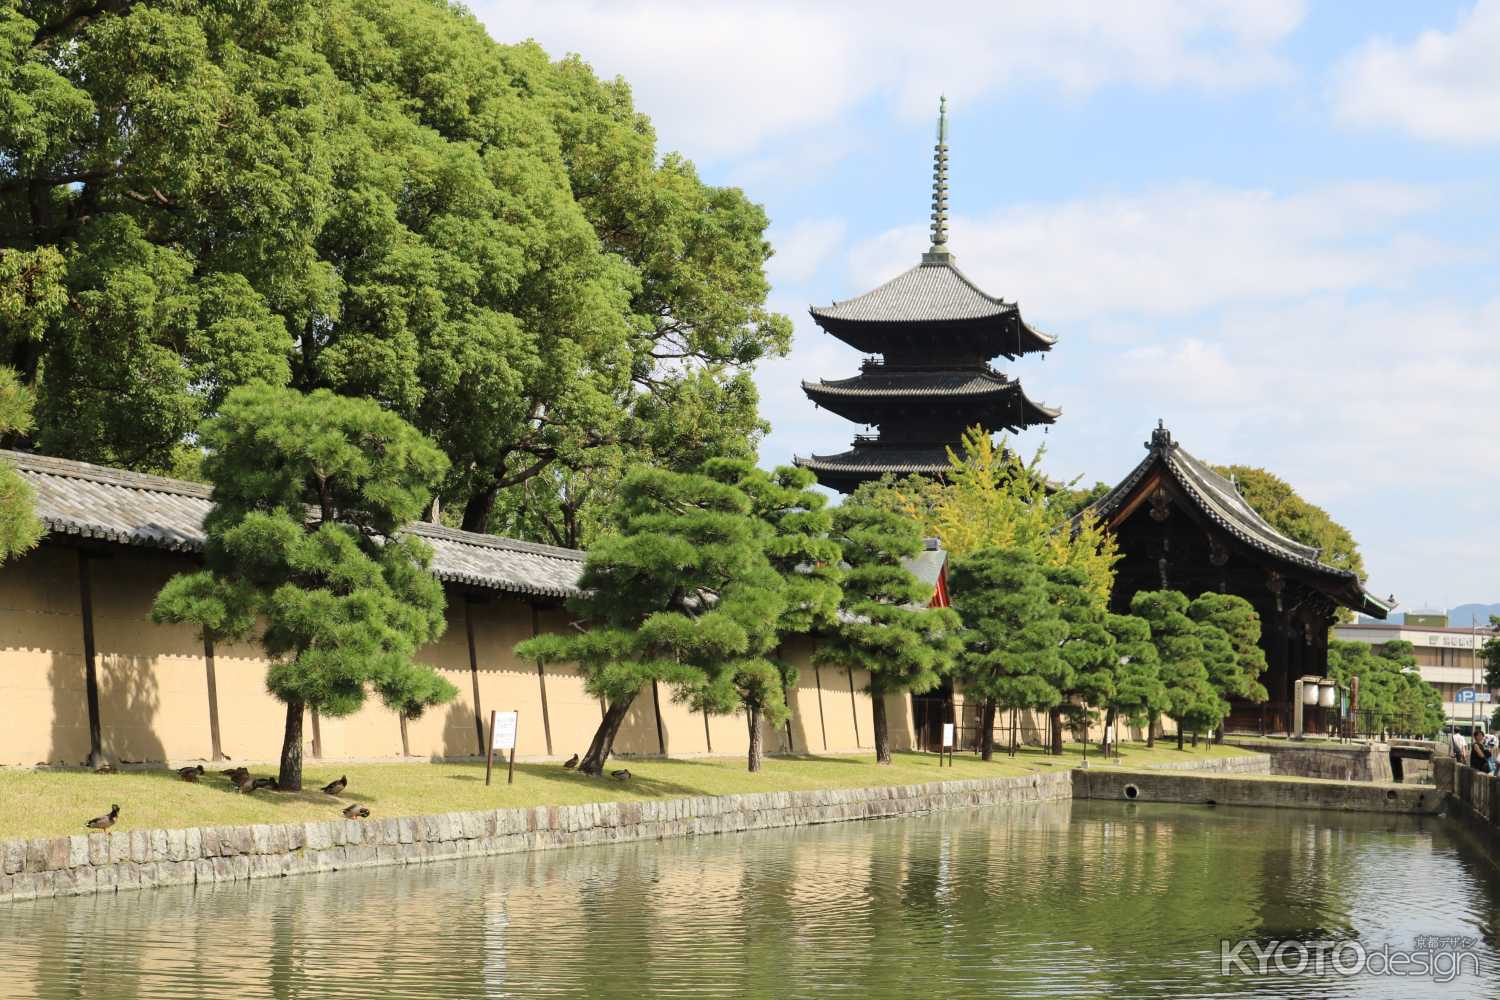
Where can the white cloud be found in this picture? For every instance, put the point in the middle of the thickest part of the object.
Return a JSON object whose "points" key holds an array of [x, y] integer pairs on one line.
{"points": [[719, 79], [802, 249], [1442, 86], [1178, 250]]}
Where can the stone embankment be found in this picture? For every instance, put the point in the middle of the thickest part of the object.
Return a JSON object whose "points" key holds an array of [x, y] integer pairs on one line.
{"points": [[123, 860], [1260, 791], [1355, 762]]}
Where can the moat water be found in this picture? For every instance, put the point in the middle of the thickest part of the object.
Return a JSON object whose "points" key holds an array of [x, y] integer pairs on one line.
{"points": [[1086, 899]]}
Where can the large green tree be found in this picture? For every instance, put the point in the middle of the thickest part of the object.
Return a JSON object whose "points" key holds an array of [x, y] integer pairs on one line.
{"points": [[19, 527], [886, 626], [1012, 635], [796, 525], [305, 551], [680, 591], [1137, 693], [374, 197]]}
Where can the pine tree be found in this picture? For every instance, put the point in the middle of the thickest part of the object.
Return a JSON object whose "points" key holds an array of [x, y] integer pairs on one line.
{"points": [[310, 493], [680, 592], [1236, 618], [1191, 700], [1139, 696], [886, 626], [795, 525], [1012, 634], [1087, 654]]}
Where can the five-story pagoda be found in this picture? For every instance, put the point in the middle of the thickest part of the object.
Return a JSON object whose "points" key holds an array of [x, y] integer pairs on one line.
{"points": [[935, 332]]}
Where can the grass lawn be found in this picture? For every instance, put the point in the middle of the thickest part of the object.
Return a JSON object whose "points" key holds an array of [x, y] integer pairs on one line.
{"points": [[51, 803]]}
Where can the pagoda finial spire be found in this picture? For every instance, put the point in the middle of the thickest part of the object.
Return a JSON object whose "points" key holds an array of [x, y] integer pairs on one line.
{"points": [[938, 253]]}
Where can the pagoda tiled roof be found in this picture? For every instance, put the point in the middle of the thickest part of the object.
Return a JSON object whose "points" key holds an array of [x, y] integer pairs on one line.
{"points": [[876, 460], [931, 292], [1221, 502], [894, 383], [88, 501]]}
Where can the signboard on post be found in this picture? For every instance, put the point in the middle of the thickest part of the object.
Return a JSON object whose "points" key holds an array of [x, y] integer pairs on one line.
{"points": [[1464, 696], [503, 727], [947, 747]]}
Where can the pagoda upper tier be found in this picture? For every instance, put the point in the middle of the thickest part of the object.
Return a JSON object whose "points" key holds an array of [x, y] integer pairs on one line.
{"points": [[930, 311], [937, 332]]}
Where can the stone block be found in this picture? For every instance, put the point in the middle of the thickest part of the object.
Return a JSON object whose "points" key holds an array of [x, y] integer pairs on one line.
{"points": [[192, 844], [176, 845], [260, 839], [13, 857], [140, 846], [23, 888], [78, 851], [208, 842], [160, 846], [203, 871], [98, 849]]}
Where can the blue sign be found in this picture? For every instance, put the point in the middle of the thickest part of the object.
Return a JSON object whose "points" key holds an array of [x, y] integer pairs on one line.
{"points": [[1465, 696]]}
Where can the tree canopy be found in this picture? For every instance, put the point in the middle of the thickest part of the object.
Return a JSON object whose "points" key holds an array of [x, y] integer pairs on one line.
{"points": [[886, 626], [1393, 697], [375, 198], [796, 531], [680, 591], [19, 527], [304, 550], [1191, 699]]}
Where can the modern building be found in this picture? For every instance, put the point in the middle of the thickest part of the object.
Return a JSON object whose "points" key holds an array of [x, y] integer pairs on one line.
{"points": [[935, 333], [1447, 657], [1182, 526]]}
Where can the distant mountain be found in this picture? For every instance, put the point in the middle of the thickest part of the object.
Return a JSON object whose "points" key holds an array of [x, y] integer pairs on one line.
{"points": [[1463, 616], [1466, 615]]}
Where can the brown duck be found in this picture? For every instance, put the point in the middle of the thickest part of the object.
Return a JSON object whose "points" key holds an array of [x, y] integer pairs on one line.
{"points": [[356, 811], [260, 783], [190, 773], [571, 762], [623, 774], [106, 821], [236, 774], [335, 787]]}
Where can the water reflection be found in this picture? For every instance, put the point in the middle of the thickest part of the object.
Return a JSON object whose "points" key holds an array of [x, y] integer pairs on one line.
{"points": [[1057, 900]]}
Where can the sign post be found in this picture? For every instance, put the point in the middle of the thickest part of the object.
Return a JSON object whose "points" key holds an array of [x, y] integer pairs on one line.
{"points": [[503, 727], [947, 746]]}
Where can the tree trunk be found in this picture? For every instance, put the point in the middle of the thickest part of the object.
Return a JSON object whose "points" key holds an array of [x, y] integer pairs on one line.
{"points": [[477, 509], [290, 778], [882, 736], [405, 744], [757, 755], [604, 737], [1012, 732], [987, 730], [1179, 736], [1109, 729], [1150, 733], [1054, 719]]}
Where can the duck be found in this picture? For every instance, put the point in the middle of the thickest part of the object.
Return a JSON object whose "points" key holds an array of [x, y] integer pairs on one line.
{"points": [[570, 763], [623, 774], [106, 821], [356, 811], [260, 783], [335, 787], [234, 774], [190, 773], [106, 768]]}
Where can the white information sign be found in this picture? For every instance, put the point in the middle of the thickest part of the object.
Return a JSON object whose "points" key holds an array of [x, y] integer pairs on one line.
{"points": [[503, 734], [947, 736]]}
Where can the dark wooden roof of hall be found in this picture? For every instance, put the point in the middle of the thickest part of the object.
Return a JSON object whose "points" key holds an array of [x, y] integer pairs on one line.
{"points": [[1220, 501]]}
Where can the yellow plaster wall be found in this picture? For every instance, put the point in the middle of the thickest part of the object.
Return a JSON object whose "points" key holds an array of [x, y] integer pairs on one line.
{"points": [[154, 695]]}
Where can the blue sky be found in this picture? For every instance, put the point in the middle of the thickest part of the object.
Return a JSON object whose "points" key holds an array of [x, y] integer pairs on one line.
{"points": [[1270, 223]]}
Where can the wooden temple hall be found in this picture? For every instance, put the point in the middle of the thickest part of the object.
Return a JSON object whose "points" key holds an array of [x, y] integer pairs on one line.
{"points": [[932, 334], [1182, 526]]}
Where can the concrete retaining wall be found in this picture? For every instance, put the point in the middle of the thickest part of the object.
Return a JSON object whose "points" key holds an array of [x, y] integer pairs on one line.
{"points": [[1203, 789], [1258, 764], [140, 859], [1471, 793], [1302, 760]]}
